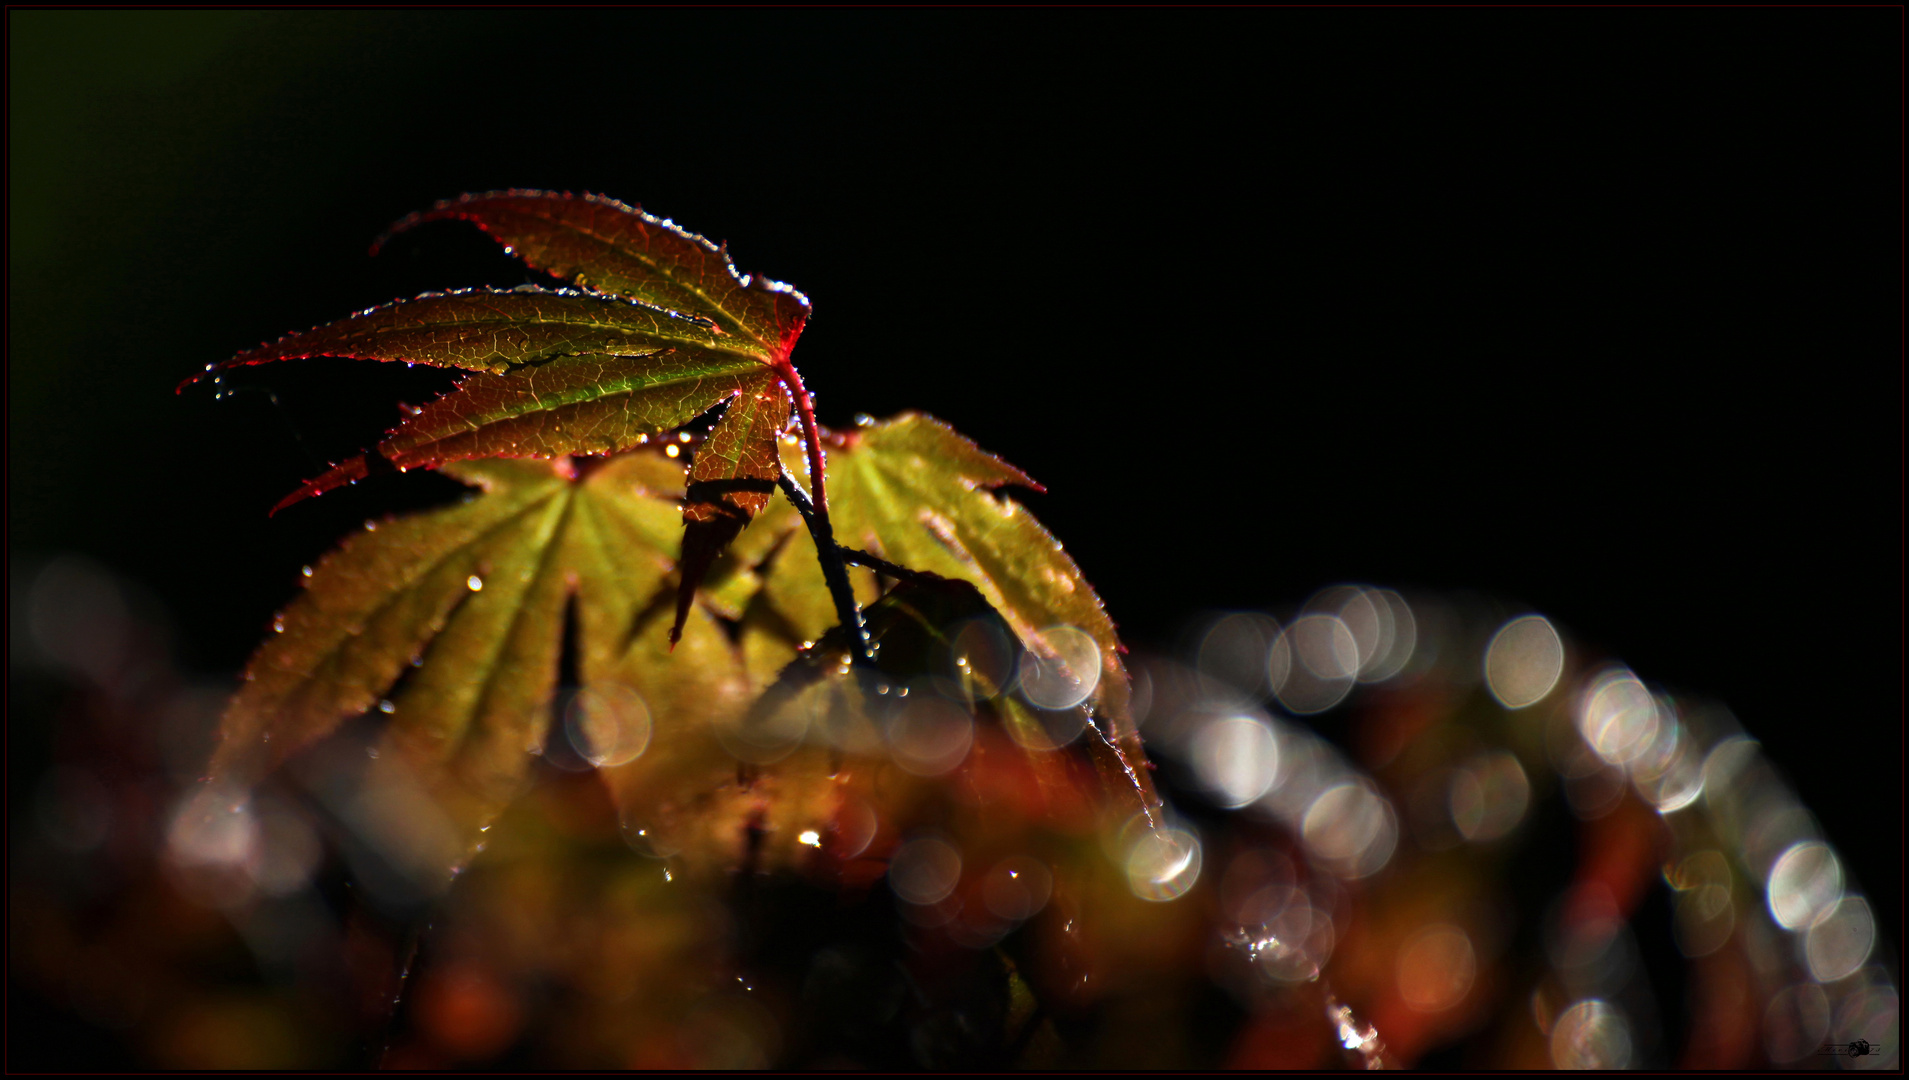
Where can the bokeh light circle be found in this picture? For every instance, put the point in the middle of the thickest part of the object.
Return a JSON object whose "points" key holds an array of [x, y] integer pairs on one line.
{"points": [[1436, 968], [1617, 715], [1062, 670], [1488, 796], [1236, 758], [1017, 888], [1351, 828], [1313, 665], [930, 735], [608, 724], [1805, 885], [1523, 661], [924, 870], [1591, 1034], [1163, 862], [1841, 941]]}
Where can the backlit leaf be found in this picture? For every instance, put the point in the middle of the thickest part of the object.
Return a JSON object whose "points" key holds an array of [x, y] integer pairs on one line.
{"points": [[617, 248], [665, 331], [915, 492], [731, 481], [574, 404], [496, 330], [476, 594]]}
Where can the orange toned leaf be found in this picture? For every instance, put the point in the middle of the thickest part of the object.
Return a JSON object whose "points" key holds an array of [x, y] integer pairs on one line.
{"points": [[734, 475]]}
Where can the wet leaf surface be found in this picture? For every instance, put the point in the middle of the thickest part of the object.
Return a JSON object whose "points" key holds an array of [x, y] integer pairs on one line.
{"points": [[616, 248], [664, 331]]}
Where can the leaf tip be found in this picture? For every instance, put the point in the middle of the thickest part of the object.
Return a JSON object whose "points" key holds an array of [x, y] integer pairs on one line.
{"points": [[298, 496], [685, 595]]}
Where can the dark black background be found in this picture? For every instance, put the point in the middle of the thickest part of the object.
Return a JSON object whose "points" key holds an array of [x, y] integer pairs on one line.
{"points": [[1594, 310]]}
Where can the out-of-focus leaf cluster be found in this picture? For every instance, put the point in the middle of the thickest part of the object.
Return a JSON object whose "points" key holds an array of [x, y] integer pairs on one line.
{"points": [[1536, 865]]}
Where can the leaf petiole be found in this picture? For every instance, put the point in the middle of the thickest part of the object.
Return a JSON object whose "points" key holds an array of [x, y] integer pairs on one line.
{"points": [[811, 434]]}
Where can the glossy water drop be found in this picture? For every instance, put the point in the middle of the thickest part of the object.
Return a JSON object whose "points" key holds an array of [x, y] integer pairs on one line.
{"points": [[475, 583]]}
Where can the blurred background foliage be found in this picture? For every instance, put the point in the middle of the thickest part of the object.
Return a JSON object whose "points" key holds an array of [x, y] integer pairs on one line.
{"points": [[1596, 310]]}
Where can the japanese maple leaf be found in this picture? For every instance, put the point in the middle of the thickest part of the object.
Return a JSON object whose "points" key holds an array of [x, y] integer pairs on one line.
{"points": [[661, 330]]}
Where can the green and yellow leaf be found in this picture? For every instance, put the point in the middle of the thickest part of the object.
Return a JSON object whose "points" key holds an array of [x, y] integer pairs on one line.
{"points": [[915, 492], [475, 596], [665, 331]]}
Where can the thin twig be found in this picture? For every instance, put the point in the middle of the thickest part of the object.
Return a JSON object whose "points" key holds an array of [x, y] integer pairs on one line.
{"points": [[858, 557]]}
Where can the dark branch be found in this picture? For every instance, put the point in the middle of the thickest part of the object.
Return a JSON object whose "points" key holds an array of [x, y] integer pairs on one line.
{"points": [[834, 571]]}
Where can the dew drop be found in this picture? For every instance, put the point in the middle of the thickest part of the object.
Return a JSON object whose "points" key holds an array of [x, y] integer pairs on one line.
{"points": [[278, 624], [305, 570], [387, 706], [475, 583]]}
